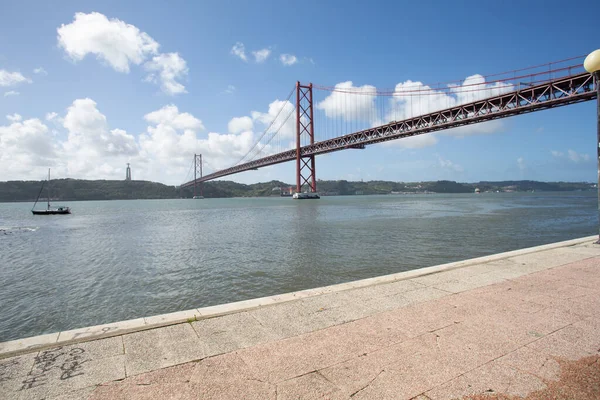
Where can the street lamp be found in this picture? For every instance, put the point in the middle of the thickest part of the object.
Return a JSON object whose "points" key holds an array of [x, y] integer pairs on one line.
{"points": [[592, 65]]}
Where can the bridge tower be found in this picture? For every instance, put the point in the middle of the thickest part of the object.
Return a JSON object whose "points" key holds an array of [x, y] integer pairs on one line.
{"points": [[198, 174], [305, 165]]}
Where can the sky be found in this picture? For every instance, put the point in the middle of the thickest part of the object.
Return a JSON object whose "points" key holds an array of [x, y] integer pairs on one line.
{"points": [[88, 86]]}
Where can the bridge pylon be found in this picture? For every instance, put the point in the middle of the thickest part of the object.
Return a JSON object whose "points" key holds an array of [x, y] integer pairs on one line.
{"points": [[306, 177], [198, 190]]}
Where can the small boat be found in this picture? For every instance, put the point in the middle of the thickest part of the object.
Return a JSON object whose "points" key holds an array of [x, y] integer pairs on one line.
{"points": [[49, 210], [52, 211]]}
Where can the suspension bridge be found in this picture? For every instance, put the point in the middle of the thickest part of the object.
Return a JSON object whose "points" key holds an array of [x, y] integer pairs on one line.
{"points": [[327, 119]]}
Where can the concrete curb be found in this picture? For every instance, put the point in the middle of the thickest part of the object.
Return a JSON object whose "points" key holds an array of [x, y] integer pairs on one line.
{"points": [[36, 343]]}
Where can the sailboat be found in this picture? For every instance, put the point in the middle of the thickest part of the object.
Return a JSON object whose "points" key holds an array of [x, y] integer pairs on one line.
{"points": [[49, 210]]}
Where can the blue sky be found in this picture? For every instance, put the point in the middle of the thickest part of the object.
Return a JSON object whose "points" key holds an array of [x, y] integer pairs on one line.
{"points": [[152, 83]]}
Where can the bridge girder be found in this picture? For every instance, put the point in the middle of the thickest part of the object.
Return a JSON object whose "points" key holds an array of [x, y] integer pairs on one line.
{"points": [[556, 93]]}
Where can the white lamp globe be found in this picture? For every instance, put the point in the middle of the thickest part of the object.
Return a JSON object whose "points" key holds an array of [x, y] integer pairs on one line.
{"points": [[592, 62]]}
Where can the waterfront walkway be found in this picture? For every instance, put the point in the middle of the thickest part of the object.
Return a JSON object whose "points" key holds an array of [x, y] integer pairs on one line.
{"points": [[519, 324]]}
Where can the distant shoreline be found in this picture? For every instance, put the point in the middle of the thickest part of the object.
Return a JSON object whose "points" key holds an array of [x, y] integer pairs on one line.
{"points": [[63, 190], [283, 197]]}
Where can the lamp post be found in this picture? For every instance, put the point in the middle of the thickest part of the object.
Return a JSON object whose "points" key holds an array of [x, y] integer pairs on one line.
{"points": [[592, 65]]}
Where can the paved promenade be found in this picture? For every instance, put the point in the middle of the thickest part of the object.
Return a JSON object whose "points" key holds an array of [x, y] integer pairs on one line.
{"points": [[522, 324]]}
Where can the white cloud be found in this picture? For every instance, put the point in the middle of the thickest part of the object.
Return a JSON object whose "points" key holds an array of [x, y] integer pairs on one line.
{"points": [[261, 55], [113, 41], [170, 67], [171, 140], [577, 157], [412, 99], [84, 145], [51, 116], [92, 150], [239, 50], [447, 164], [475, 88], [277, 118], [14, 118], [361, 105], [288, 59], [121, 45], [230, 89], [11, 93], [356, 103], [240, 124], [89, 134], [571, 155], [40, 71], [170, 116], [521, 164], [24, 148], [170, 143], [12, 78], [224, 149]]}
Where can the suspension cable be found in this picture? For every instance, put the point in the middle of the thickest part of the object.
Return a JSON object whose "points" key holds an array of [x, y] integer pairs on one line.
{"points": [[259, 150], [448, 87], [268, 127]]}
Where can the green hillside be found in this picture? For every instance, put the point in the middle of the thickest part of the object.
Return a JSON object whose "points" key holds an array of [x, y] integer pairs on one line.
{"points": [[77, 189]]}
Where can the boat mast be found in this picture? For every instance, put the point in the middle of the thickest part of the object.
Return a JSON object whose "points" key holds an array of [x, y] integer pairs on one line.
{"points": [[38, 196]]}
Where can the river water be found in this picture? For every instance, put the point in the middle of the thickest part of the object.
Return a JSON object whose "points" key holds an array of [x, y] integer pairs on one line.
{"points": [[116, 260]]}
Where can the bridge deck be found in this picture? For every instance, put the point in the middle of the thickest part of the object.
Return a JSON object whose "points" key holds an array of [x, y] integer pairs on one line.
{"points": [[556, 93]]}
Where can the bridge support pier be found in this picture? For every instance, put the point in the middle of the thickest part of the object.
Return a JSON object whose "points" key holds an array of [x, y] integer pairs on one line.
{"points": [[198, 174], [306, 180]]}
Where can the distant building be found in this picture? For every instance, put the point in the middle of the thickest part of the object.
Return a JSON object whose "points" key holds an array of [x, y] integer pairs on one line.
{"points": [[287, 192], [128, 173]]}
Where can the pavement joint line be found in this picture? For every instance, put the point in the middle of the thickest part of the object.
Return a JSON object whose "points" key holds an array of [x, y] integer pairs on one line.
{"points": [[13, 348], [497, 358], [474, 368], [368, 384], [195, 331]]}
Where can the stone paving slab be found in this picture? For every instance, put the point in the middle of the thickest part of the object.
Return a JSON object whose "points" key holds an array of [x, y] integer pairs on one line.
{"points": [[534, 262], [299, 319], [309, 386], [503, 326], [538, 364], [159, 348], [232, 332], [491, 378], [60, 370], [13, 371]]}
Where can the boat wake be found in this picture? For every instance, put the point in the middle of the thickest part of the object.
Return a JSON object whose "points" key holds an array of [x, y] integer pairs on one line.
{"points": [[16, 229]]}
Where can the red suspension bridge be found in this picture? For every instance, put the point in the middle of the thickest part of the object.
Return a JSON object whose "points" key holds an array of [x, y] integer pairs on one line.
{"points": [[328, 119]]}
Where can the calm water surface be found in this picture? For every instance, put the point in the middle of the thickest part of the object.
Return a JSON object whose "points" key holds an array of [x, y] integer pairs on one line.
{"points": [[116, 260]]}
